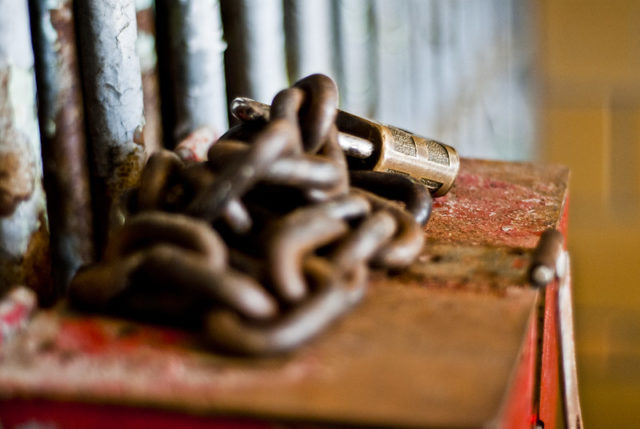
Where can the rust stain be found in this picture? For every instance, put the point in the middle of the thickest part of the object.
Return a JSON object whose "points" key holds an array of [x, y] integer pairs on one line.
{"points": [[69, 152], [33, 269], [127, 170], [18, 182], [36, 265], [477, 268], [150, 88], [16, 171], [16, 178], [145, 20], [64, 152]]}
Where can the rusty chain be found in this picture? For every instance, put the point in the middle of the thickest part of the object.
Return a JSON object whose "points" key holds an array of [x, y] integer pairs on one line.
{"points": [[266, 242]]}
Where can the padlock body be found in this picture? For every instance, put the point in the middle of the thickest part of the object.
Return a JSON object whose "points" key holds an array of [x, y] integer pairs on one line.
{"points": [[428, 161]]}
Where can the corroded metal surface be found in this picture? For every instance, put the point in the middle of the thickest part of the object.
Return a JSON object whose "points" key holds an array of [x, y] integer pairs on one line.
{"points": [[426, 364], [500, 204], [24, 235], [441, 345], [61, 115], [114, 99]]}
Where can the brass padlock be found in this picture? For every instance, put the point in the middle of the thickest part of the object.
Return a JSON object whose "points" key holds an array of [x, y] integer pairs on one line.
{"points": [[370, 145]]}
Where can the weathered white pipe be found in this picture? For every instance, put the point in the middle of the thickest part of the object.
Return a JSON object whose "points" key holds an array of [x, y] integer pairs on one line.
{"points": [[113, 97], [309, 38], [355, 49], [255, 60], [24, 235], [197, 66]]}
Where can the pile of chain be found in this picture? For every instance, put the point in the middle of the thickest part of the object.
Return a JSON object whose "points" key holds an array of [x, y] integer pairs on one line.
{"points": [[265, 243]]}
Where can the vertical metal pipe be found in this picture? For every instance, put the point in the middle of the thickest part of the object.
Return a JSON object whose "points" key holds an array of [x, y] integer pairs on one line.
{"points": [[61, 117], [254, 61], [24, 235], [356, 56], [309, 38], [146, 48], [446, 60], [426, 95], [196, 52], [393, 62], [113, 100]]}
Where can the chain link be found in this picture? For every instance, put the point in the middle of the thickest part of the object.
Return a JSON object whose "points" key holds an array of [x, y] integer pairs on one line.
{"points": [[264, 244]]}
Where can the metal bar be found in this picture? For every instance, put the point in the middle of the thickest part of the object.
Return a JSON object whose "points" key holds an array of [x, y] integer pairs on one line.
{"points": [[309, 44], [146, 48], [254, 61], [196, 52], [544, 261], [426, 93], [24, 236], [356, 58], [568, 366], [61, 115], [113, 99], [550, 261], [394, 91]]}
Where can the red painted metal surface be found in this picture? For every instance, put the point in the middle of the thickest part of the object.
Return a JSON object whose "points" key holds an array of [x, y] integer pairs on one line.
{"points": [[16, 413], [16, 306], [519, 411], [549, 383], [461, 319]]}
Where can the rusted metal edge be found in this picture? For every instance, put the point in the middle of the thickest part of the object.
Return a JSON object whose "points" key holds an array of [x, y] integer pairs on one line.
{"points": [[523, 370]]}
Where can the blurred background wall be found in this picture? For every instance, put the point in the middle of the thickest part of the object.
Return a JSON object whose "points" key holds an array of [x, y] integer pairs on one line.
{"points": [[454, 70], [588, 71]]}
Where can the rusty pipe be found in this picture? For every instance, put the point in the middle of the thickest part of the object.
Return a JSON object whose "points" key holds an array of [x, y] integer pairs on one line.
{"points": [[64, 151]]}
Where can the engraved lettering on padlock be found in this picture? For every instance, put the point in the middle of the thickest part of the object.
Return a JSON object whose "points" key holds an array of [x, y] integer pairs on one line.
{"points": [[398, 151], [403, 142]]}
